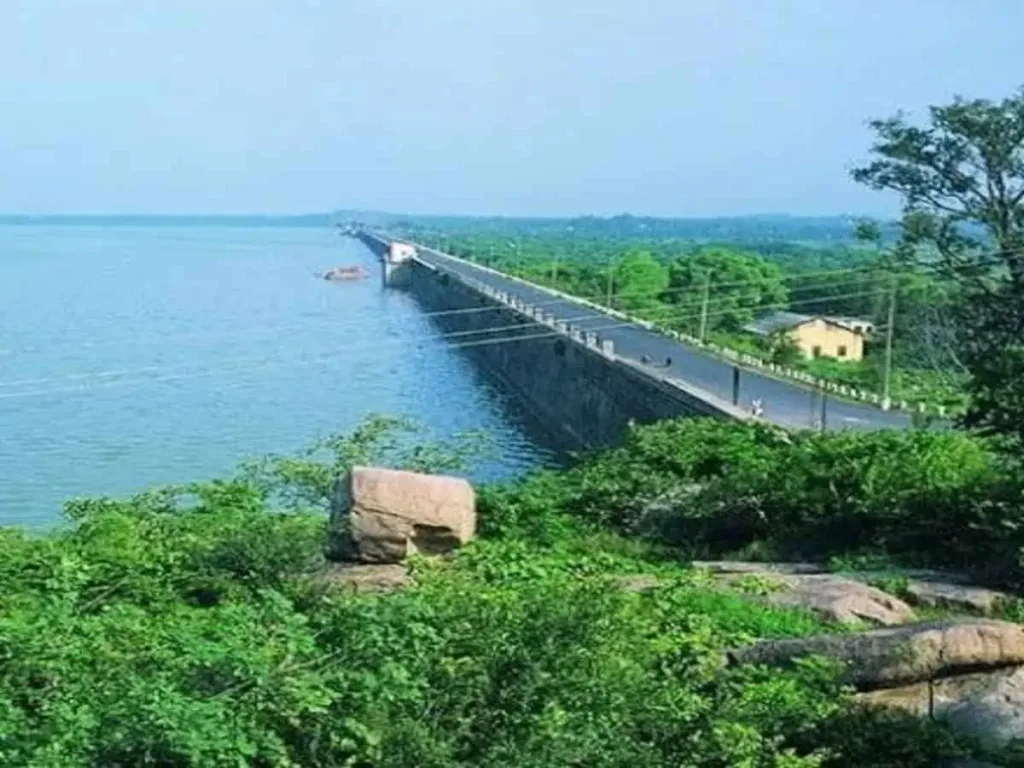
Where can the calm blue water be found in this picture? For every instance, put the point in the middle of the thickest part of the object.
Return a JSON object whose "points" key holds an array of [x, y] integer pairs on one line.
{"points": [[131, 357]]}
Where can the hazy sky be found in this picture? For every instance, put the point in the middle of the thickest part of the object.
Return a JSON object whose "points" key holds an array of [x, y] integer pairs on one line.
{"points": [[665, 107]]}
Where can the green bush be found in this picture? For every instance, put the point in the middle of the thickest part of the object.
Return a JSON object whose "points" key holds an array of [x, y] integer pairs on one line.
{"points": [[505, 656], [710, 488], [188, 627]]}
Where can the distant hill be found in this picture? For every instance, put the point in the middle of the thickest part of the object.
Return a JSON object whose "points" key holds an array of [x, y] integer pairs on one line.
{"points": [[156, 220], [768, 228], [747, 229]]}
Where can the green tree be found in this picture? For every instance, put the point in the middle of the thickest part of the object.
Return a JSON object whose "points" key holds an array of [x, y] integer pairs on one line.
{"points": [[640, 280], [737, 284], [961, 178]]}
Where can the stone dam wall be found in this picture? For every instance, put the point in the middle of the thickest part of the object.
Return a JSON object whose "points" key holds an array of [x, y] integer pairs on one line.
{"points": [[378, 246], [565, 378]]}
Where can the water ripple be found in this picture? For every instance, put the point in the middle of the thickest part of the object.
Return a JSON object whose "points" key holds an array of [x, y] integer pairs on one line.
{"points": [[131, 358]]}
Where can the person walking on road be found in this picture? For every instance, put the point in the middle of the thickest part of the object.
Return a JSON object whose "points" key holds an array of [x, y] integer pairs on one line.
{"points": [[757, 408]]}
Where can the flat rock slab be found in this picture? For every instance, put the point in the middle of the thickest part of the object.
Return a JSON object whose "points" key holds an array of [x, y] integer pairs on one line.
{"points": [[937, 594], [842, 600], [937, 589], [923, 587], [914, 574], [833, 597], [895, 656], [746, 567]]}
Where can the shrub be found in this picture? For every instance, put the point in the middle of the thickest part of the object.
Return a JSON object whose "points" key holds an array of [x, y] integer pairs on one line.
{"points": [[712, 487], [182, 628]]}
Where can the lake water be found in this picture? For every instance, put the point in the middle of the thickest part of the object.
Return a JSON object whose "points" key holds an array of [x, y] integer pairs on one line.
{"points": [[133, 357]]}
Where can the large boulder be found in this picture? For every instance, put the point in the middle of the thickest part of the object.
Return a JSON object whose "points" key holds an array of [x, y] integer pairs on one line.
{"points": [[385, 515], [895, 656], [989, 706]]}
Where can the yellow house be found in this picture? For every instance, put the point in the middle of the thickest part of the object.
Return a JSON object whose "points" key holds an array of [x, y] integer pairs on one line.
{"points": [[817, 336]]}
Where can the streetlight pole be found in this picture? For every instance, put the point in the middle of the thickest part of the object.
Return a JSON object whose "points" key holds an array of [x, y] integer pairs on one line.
{"points": [[887, 382], [611, 282], [824, 408], [704, 308]]}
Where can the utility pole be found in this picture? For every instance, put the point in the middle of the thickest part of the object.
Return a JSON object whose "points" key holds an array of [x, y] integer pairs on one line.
{"points": [[887, 383], [704, 309], [611, 283]]}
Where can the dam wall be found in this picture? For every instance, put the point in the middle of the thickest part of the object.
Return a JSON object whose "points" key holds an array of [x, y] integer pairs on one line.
{"points": [[569, 380]]}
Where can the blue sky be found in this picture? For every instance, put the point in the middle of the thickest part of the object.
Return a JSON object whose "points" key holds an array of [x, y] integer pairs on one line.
{"points": [[661, 107]]}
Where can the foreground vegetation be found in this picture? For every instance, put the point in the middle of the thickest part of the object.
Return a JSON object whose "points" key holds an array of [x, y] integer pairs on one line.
{"points": [[189, 626]]}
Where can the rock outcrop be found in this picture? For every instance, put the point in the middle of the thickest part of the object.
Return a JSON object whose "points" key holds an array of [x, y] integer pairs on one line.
{"points": [[837, 596], [900, 656], [989, 707], [385, 515], [968, 674]]}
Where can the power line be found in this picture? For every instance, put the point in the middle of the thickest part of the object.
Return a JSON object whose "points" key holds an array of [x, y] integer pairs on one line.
{"points": [[442, 313], [441, 337], [671, 317], [569, 297], [670, 312], [431, 313]]}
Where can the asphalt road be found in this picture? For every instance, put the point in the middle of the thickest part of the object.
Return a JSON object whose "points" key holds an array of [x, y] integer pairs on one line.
{"points": [[785, 403]]}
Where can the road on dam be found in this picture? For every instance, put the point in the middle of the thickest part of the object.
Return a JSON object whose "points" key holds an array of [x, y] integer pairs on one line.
{"points": [[784, 403]]}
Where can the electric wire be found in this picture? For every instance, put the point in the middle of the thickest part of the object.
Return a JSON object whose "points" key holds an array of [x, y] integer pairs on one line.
{"points": [[106, 376], [548, 302]]}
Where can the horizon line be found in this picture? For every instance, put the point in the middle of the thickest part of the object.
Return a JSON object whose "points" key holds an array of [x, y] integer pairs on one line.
{"points": [[548, 217]]}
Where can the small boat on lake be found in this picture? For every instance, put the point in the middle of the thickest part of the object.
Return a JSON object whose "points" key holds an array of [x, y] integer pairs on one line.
{"points": [[345, 273]]}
